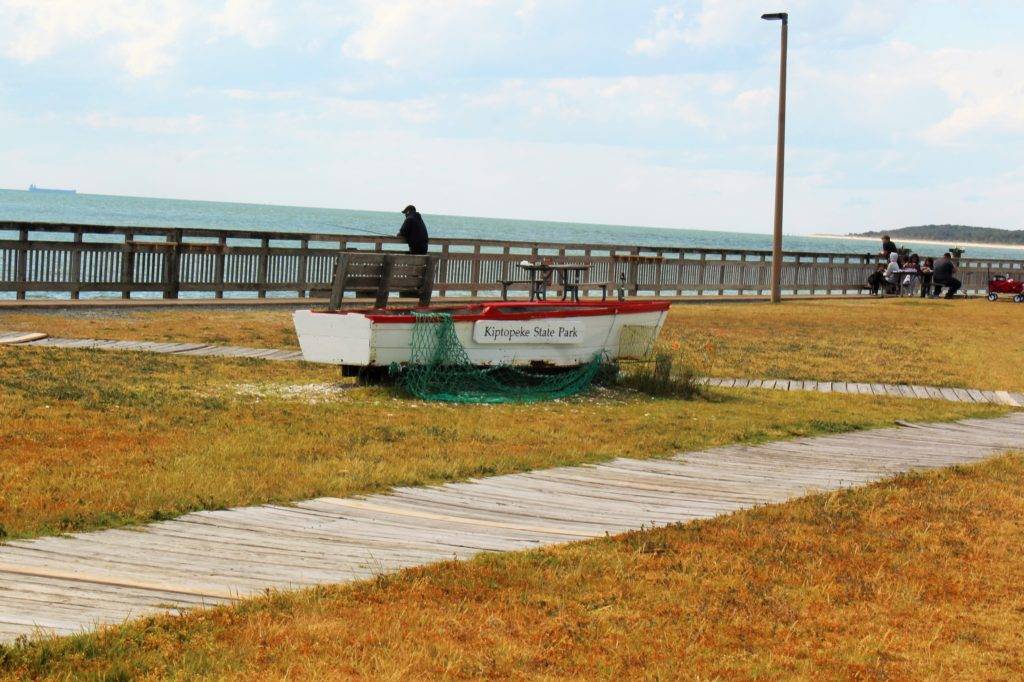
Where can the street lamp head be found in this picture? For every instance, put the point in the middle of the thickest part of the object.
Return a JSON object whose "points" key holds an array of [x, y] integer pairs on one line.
{"points": [[783, 16]]}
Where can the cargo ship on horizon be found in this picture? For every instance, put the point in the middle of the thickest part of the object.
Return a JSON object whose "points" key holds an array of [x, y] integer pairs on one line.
{"points": [[33, 188]]}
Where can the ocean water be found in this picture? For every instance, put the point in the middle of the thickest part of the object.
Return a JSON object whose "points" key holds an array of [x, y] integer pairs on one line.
{"points": [[100, 209]]}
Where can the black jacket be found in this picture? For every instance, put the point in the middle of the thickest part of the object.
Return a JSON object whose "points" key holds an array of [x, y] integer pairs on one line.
{"points": [[414, 232], [944, 270]]}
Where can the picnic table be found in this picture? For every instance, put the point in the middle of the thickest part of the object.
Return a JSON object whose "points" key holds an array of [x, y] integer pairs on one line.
{"points": [[570, 277], [906, 280]]}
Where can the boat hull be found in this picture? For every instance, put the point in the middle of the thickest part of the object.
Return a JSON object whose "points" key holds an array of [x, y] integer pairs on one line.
{"points": [[508, 334]]}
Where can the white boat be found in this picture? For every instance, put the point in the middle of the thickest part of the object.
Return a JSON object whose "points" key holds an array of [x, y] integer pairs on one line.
{"points": [[506, 333]]}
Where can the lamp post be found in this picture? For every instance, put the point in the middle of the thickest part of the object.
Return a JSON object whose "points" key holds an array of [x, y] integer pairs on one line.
{"points": [[780, 156]]}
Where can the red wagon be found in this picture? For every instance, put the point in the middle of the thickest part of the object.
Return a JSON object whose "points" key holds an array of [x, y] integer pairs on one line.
{"points": [[1006, 286]]}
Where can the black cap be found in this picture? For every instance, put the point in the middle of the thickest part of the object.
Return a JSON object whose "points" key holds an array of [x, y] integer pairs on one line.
{"points": [[409, 209]]}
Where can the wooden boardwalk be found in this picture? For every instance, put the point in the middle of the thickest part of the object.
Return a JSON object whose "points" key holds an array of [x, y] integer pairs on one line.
{"points": [[73, 583], [200, 349], [960, 395], [956, 395]]}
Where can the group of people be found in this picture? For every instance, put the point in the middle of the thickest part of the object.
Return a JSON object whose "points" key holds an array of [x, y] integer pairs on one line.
{"points": [[933, 275]]}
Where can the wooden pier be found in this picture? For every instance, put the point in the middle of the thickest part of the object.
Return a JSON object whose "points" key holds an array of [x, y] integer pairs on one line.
{"points": [[171, 262]]}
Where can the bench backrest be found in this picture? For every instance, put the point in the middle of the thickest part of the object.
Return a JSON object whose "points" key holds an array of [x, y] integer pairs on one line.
{"points": [[382, 273]]}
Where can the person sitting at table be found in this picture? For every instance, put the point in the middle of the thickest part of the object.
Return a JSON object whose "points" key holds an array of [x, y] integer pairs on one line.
{"points": [[912, 269], [877, 279], [926, 276], [892, 270], [943, 276]]}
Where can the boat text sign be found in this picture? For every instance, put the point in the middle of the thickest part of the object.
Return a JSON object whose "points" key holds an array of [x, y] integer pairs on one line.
{"points": [[528, 331]]}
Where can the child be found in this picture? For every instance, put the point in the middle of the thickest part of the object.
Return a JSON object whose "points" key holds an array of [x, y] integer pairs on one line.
{"points": [[926, 276], [877, 279]]}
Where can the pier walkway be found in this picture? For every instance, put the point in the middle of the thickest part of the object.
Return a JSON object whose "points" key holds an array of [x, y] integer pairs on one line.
{"points": [[68, 584], [957, 395]]}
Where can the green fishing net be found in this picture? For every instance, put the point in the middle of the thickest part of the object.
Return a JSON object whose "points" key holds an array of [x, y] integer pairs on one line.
{"points": [[439, 369]]}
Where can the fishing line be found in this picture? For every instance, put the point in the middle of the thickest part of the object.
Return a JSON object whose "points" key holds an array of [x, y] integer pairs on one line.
{"points": [[363, 230]]}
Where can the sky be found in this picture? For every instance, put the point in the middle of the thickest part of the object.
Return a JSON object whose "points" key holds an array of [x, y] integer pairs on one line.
{"points": [[630, 112]]}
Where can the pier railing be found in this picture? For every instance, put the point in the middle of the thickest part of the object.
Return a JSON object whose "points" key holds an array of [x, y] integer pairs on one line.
{"points": [[73, 259]]}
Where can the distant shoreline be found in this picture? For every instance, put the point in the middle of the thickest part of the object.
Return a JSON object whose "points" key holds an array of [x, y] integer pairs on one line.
{"points": [[946, 244]]}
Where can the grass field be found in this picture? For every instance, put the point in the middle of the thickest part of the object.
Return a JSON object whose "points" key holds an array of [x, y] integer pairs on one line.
{"points": [[93, 439], [917, 578], [969, 344]]}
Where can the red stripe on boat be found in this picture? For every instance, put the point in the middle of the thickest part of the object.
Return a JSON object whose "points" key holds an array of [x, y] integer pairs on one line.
{"points": [[511, 310]]}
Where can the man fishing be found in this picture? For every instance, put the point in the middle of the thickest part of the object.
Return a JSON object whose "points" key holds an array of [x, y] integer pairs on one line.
{"points": [[414, 231]]}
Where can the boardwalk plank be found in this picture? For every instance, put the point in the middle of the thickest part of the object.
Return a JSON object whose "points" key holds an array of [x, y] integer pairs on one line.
{"points": [[71, 583]]}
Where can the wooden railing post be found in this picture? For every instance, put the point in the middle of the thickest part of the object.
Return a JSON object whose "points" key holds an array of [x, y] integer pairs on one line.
{"points": [[261, 274], [721, 274], [172, 265], [474, 277], [442, 268], [218, 267], [796, 275], [21, 266], [660, 253], [634, 272], [743, 273], [701, 270], [127, 265], [506, 263], [76, 266], [679, 272], [303, 264]]}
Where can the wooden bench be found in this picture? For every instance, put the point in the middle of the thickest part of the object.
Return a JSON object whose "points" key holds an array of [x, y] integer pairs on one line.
{"points": [[506, 283], [383, 273]]}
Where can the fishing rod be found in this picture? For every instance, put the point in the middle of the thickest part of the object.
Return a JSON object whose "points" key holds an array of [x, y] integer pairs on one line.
{"points": [[364, 231]]}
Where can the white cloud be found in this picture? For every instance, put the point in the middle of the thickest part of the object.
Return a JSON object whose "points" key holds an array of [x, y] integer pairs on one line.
{"points": [[636, 99], [403, 33], [251, 20], [757, 100], [666, 32], [140, 34], [161, 125]]}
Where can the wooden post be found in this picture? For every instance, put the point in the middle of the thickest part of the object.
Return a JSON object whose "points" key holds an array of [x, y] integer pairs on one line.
{"points": [[721, 275], [76, 266], [427, 286], [679, 273], [634, 272], [127, 265], [261, 274], [474, 278], [22, 264], [172, 265], [657, 271], [218, 267], [760, 271], [384, 287], [442, 267], [303, 264], [743, 273], [701, 272], [338, 285], [796, 275], [780, 156]]}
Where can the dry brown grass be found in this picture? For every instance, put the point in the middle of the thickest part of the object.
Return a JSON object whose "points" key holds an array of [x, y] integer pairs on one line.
{"points": [[970, 344], [241, 327], [92, 439], [918, 578], [942, 343]]}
